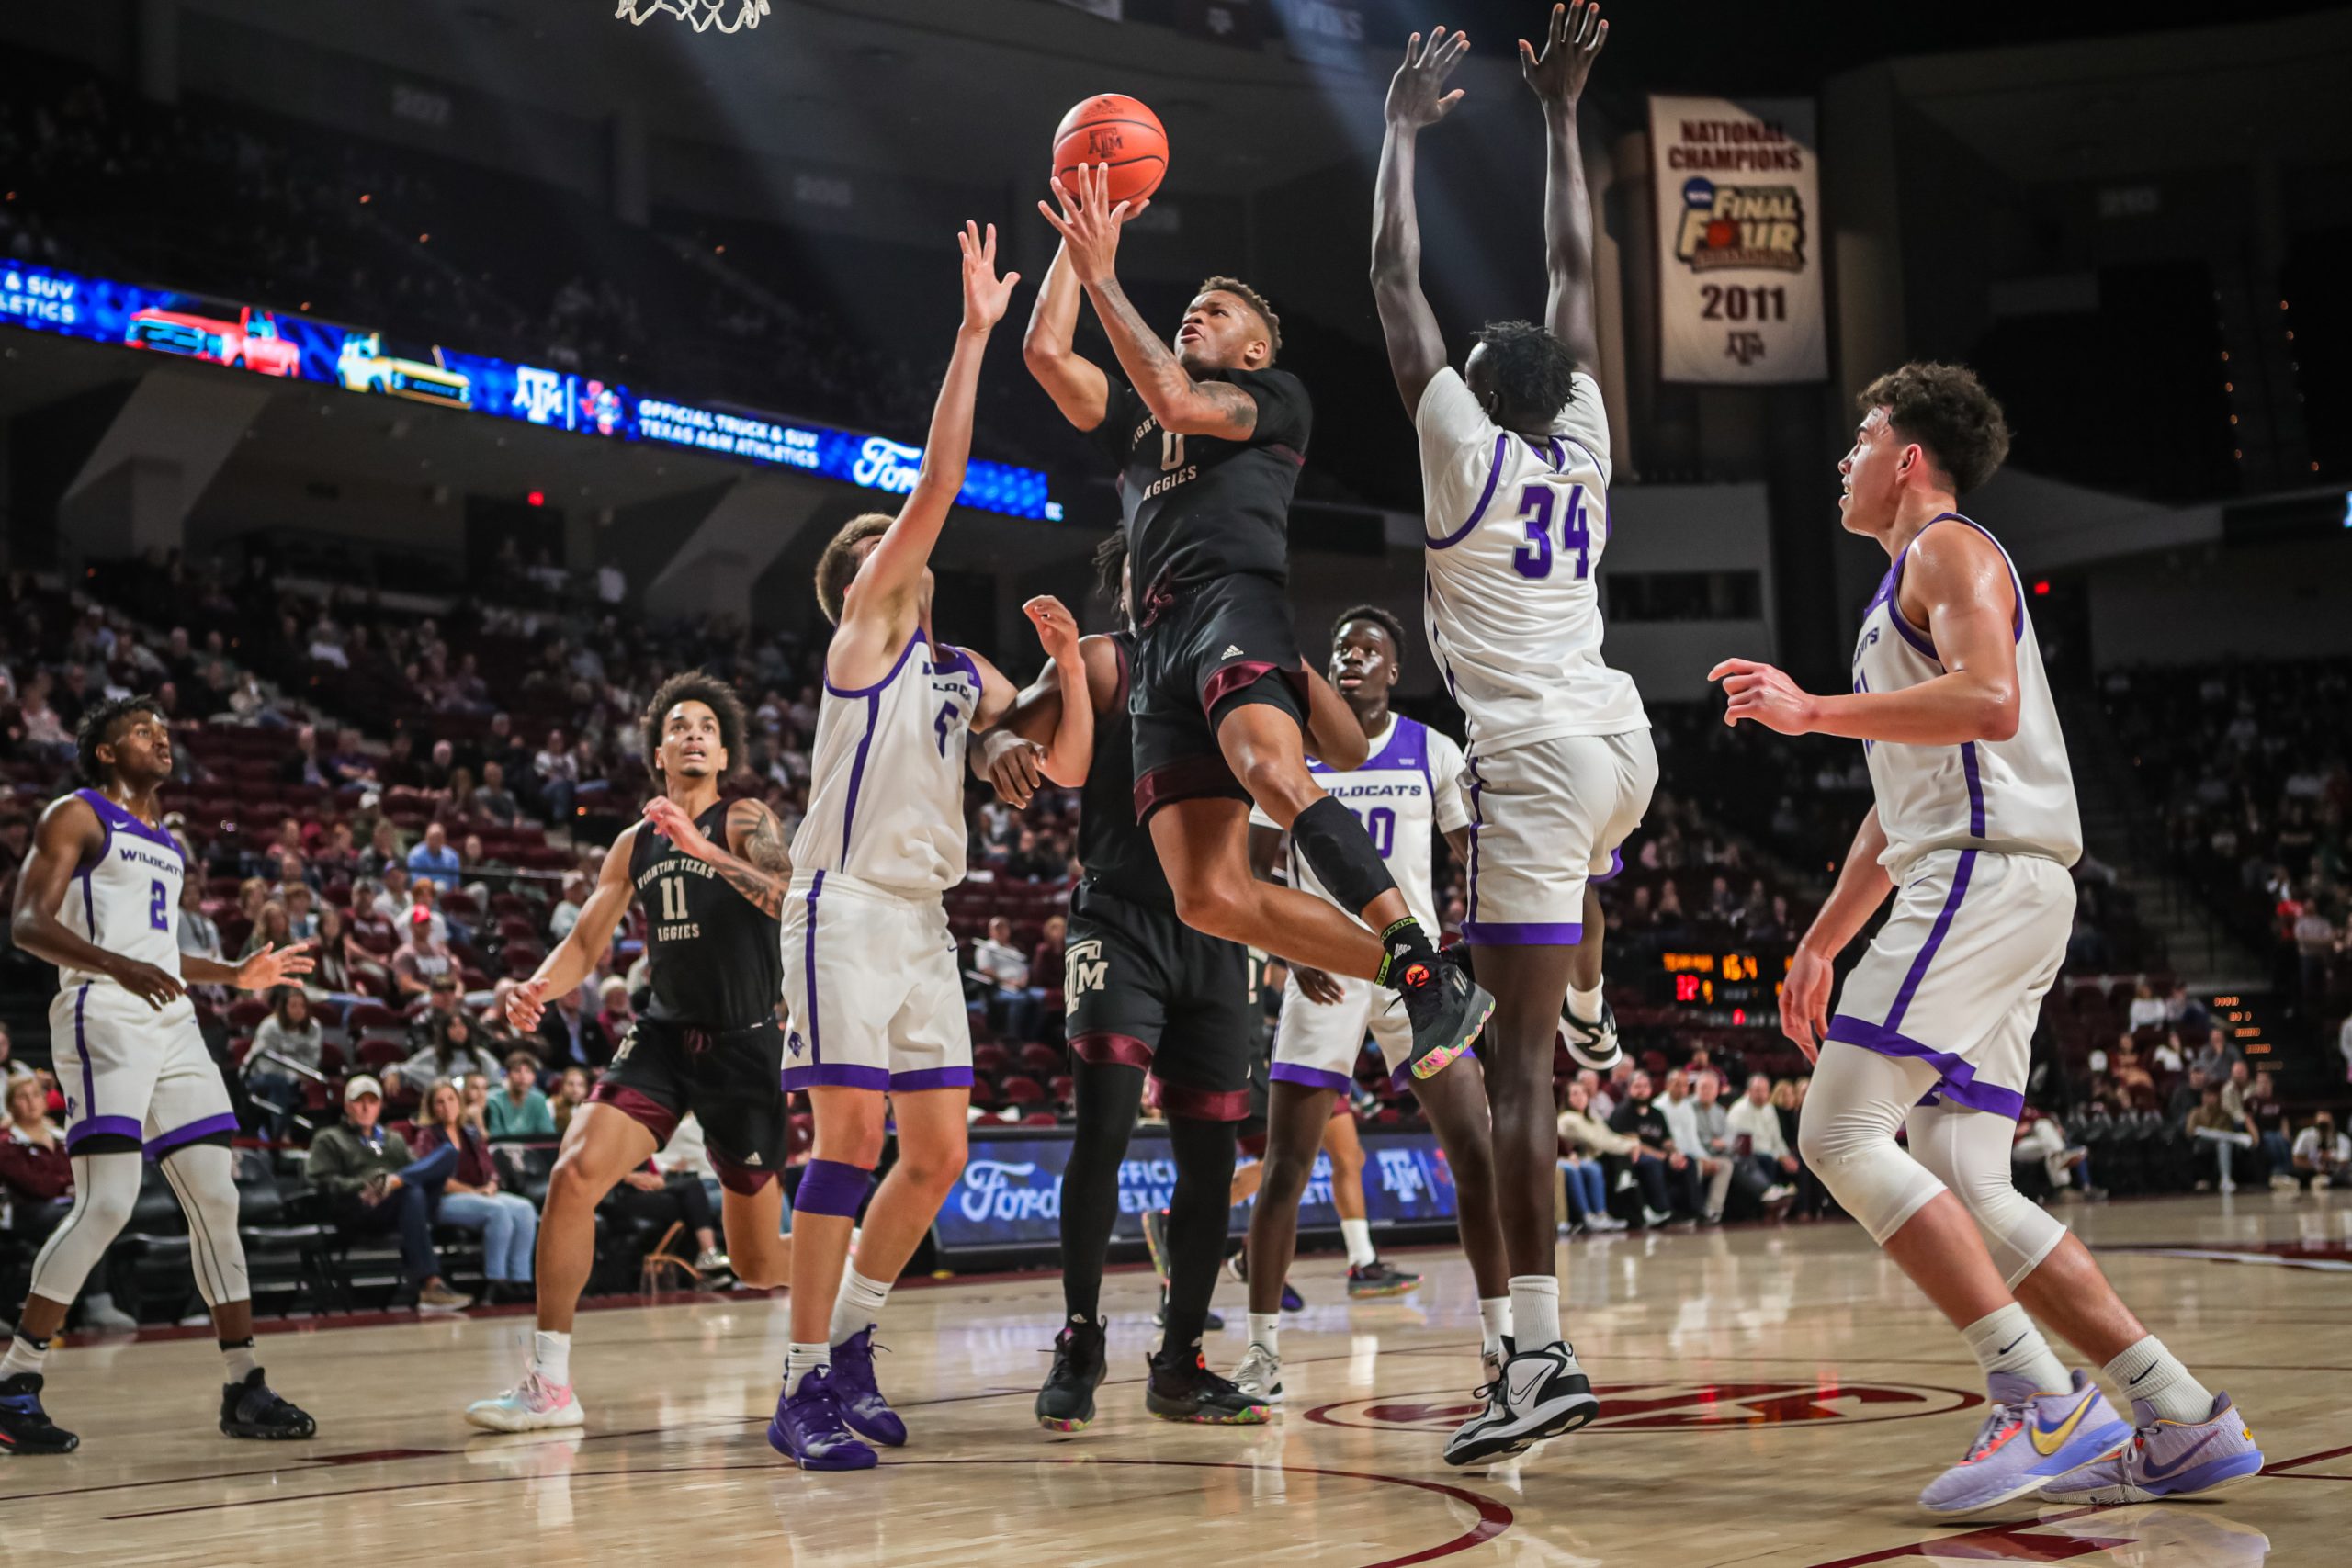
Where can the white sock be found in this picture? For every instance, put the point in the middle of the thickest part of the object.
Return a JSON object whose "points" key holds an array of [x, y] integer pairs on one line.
{"points": [[1266, 1328], [2151, 1375], [2006, 1343], [801, 1359], [1357, 1234], [240, 1360], [551, 1358], [1494, 1323], [24, 1356], [1536, 1310], [858, 1307], [1586, 1005]]}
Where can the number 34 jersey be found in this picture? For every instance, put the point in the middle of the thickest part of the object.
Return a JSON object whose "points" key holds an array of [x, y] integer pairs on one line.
{"points": [[1408, 791], [1515, 533], [886, 791]]}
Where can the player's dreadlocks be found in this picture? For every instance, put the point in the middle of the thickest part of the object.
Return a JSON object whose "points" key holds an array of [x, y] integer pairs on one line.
{"points": [[1535, 375], [1109, 564]]}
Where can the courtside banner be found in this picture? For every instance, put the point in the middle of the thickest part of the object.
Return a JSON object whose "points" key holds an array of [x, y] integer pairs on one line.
{"points": [[1738, 197]]}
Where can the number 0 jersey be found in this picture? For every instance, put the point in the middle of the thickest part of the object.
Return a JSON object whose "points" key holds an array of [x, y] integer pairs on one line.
{"points": [[126, 899], [886, 791], [1515, 534], [713, 952], [1408, 790]]}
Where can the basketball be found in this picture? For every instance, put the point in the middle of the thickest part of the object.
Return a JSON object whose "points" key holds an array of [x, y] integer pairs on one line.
{"points": [[1111, 127]]}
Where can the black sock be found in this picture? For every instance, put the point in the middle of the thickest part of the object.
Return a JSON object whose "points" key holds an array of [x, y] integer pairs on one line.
{"points": [[1196, 1227], [1405, 964], [1109, 1096]]}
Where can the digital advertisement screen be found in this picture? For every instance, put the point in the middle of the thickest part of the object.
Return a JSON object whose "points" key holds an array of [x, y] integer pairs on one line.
{"points": [[1009, 1195], [299, 347]]}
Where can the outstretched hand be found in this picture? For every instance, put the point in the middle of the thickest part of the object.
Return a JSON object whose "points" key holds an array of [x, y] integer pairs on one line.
{"points": [[1571, 43], [1764, 694], [272, 965], [985, 296], [1417, 94], [1089, 222], [1056, 629]]}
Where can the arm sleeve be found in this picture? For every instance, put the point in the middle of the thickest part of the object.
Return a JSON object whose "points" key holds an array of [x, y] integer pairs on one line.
{"points": [[1284, 414], [1446, 768], [1585, 422]]}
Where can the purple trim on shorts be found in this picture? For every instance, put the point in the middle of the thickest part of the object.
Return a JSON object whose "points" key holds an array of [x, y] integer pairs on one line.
{"points": [[1976, 789], [1204, 1104], [639, 1107], [1935, 939], [930, 1078], [96, 1126], [1494, 477], [81, 1049], [912, 642], [809, 969], [1522, 933], [1616, 867], [223, 1123], [1956, 1079], [836, 1075], [1312, 1078], [1104, 1050], [833, 1187]]}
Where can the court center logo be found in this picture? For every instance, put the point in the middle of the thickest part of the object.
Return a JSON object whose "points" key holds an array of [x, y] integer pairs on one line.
{"points": [[1741, 226], [1681, 1407]]}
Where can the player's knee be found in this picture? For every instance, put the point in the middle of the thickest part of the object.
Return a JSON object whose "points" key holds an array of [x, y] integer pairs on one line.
{"points": [[1213, 903], [1277, 783], [933, 1168], [1284, 1175], [106, 1208]]}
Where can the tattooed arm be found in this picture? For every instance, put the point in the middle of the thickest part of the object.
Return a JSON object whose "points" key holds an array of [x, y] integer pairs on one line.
{"points": [[755, 863]]}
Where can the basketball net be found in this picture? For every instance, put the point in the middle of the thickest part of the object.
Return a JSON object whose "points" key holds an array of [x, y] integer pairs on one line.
{"points": [[702, 15]]}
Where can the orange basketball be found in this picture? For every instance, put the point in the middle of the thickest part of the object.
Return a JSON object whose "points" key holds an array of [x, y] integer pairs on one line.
{"points": [[1112, 129]]}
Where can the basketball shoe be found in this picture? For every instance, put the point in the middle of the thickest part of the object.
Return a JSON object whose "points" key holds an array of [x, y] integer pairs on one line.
{"points": [[1155, 1240], [2031, 1438], [1594, 1043], [534, 1404], [25, 1427], [1541, 1394], [1237, 1266], [2166, 1459], [809, 1430], [249, 1409], [1212, 1323], [859, 1395], [1379, 1278], [1448, 1009], [1182, 1388], [1259, 1375], [1067, 1402]]}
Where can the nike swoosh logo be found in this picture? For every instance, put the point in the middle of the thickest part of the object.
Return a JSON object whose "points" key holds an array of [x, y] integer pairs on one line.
{"points": [[2135, 1382], [2177, 1466], [1521, 1392], [2048, 1440], [2012, 1343]]}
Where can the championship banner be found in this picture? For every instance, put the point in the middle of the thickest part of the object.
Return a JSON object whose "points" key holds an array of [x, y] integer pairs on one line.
{"points": [[1737, 188]]}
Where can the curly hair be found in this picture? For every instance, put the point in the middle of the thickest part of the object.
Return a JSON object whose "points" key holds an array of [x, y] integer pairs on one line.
{"points": [[1533, 372], [1945, 409], [694, 686], [1385, 619], [1256, 302], [837, 567], [98, 729], [1109, 564]]}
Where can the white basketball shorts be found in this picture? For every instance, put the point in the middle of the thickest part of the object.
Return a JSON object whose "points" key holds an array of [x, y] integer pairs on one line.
{"points": [[1316, 1043], [133, 1072], [876, 994], [1546, 818]]}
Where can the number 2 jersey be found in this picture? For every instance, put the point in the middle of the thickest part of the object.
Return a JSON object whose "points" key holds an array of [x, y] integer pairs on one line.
{"points": [[885, 774], [1408, 790], [127, 900], [1516, 529]]}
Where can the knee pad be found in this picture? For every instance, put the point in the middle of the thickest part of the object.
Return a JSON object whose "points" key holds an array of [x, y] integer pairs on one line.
{"points": [[204, 1178], [1969, 1153], [1850, 1143], [833, 1187], [1340, 853]]}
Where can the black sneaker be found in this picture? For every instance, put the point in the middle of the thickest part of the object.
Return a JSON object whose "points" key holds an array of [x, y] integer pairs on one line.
{"points": [[1379, 1278], [1448, 1009], [1213, 1324], [1237, 1266], [1067, 1402], [1182, 1388], [1593, 1042], [249, 1409], [25, 1427]]}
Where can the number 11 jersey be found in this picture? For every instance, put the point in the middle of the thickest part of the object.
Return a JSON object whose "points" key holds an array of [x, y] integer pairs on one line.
{"points": [[1515, 532]]}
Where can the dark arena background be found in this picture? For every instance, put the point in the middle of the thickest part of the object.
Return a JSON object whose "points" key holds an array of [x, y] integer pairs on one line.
{"points": [[397, 393]]}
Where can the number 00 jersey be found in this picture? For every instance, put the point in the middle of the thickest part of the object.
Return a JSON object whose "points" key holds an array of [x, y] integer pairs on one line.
{"points": [[1515, 533], [1408, 790], [126, 900], [886, 791], [713, 952]]}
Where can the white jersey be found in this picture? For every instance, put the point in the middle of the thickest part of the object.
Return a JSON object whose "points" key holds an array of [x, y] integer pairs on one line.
{"points": [[1408, 790], [885, 774], [1515, 533], [2014, 796], [127, 900]]}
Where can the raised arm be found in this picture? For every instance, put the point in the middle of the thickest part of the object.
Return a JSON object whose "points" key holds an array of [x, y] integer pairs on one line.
{"points": [[1076, 384], [1417, 98], [1069, 751], [1009, 754], [1089, 223], [590, 937], [1572, 42]]}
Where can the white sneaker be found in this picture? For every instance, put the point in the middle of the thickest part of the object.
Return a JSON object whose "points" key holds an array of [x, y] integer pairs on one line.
{"points": [[1653, 1218], [1604, 1222], [1542, 1393], [99, 1312], [1593, 1042], [1259, 1375], [532, 1406], [2228, 1187]]}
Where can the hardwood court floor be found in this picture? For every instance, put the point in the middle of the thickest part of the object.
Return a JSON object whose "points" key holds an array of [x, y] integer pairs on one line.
{"points": [[1772, 1397]]}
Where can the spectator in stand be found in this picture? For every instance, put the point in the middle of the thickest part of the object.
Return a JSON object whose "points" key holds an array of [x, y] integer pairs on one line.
{"points": [[2039, 1144], [614, 1015], [1046, 961], [391, 901], [1000, 965], [1668, 1179], [1755, 1119], [2237, 1089], [494, 802], [2166, 1057], [557, 773], [2217, 1132], [1614, 1093], [470, 1198], [569, 1035], [2316, 943], [2131, 1075], [425, 894], [350, 763], [302, 921], [445, 1000], [2187, 1094], [286, 1050], [2267, 1123], [333, 974], [434, 777], [2147, 1008], [303, 765], [570, 1093], [473, 1093], [566, 913], [1680, 1109], [1583, 1191], [422, 959], [372, 1185], [451, 1054], [383, 854], [433, 861], [459, 805], [199, 934], [519, 1110], [2322, 1155], [273, 929], [340, 856], [37, 1193], [2218, 1058]]}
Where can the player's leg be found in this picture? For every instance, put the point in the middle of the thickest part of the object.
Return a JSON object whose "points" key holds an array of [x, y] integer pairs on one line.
{"points": [[759, 1249], [746, 1121], [1620, 769], [1110, 1081], [105, 1187], [1250, 1174], [1296, 1114], [1203, 844], [1455, 1103], [809, 1427]]}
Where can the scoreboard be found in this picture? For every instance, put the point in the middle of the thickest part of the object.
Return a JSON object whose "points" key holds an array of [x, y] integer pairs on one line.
{"points": [[1727, 986]]}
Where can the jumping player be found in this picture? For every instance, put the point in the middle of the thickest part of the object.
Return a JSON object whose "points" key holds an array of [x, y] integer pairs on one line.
{"points": [[1408, 791], [1143, 992], [1515, 470], [1975, 823], [1210, 439], [869, 964], [713, 876], [135, 1076]]}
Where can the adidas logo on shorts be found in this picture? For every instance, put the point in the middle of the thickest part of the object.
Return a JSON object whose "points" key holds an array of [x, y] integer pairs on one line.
{"points": [[1232, 650]]}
